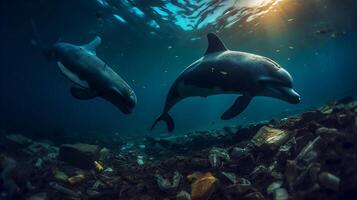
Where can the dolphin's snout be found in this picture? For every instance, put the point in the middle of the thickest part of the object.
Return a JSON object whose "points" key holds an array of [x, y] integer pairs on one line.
{"points": [[124, 100], [294, 97], [296, 100], [131, 102]]}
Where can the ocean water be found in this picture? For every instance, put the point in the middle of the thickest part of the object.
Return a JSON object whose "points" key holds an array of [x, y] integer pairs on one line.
{"points": [[148, 43]]}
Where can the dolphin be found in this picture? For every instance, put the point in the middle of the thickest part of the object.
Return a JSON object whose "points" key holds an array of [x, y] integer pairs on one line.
{"points": [[92, 76], [222, 71]]}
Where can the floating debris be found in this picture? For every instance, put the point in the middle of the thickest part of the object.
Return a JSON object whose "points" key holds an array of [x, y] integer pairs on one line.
{"points": [[140, 160], [217, 156], [238, 153], [329, 181], [230, 176], [64, 190], [98, 166], [59, 175], [120, 19], [308, 154], [183, 195], [291, 173], [270, 137], [274, 186], [127, 146], [77, 179], [327, 132], [166, 185], [38, 196], [280, 194], [203, 185]]}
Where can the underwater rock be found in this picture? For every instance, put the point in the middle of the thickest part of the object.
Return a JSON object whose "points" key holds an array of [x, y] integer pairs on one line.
{"points": [[329, 181], [345, 100], [285, 151], [323, 144], [314, 170], [238, 153], [259, 171], [241, 187], [42, 149], [309, 153], [327, 109], [203, 185], [64, 190], [39, 196], [77, 179], [274, 186], [183, 195], [311, 116], [231, 177], [217, 156], [327, 132], [59, 175], [80, 155], [280, 194], [165, 185], [272, 138], [290, 173], [231, 130], [92, 194], [103, 154], [44, 153], [254, 196], [15, 141], [307, 177], [8, 165]]}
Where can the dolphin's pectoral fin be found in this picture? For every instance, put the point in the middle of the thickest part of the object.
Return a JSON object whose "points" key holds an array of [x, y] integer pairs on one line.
{"points": [[83, 94], [238, 106], [92, 46], [215, 44], [72, 76]]}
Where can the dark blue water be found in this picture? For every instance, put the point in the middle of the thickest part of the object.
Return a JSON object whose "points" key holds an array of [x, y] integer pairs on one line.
{"points": [[314, 40]]}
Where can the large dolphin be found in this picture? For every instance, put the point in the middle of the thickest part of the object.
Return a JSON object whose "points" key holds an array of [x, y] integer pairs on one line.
{"points": [[93, 77], [222, 71]]}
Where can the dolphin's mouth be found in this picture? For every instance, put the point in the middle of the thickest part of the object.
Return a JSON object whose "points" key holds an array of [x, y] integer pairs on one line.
{"points": [[125, 104], [287, 94]]}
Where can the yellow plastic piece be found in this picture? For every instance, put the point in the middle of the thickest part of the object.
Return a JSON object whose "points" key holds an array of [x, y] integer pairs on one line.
{"points": [[203, 185], [76, 179], [99, 167]]}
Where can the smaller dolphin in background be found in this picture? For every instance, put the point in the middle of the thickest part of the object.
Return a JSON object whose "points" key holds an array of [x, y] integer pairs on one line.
{"points": [[221, 71], [93, 77]]}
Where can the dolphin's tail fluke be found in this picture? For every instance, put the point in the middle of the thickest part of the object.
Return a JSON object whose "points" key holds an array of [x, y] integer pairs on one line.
{"points": [[167, 119]]}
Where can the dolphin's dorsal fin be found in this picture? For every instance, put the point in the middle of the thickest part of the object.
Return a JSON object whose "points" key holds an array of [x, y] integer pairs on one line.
{"points": [[92, 46], [215, 44]]}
